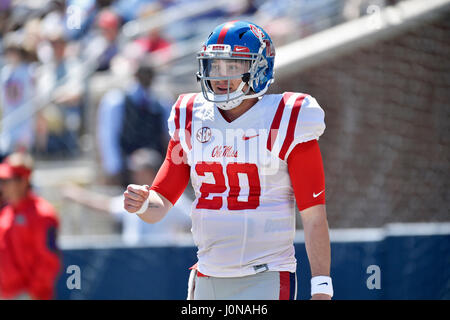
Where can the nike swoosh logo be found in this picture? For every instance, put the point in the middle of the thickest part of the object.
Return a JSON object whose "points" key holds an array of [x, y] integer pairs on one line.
{"points": [[315, 195], [249, 137], [323, 283], [240, 49]]}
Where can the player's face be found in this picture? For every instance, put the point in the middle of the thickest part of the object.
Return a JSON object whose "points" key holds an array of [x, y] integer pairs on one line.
{"points": [[227, 68]]}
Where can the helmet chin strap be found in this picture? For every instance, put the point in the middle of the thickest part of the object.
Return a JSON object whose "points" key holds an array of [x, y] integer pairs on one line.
{"points": [[230, 100], [234, 99]]}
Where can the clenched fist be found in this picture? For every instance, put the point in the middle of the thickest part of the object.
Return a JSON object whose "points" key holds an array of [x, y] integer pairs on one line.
{"points": [[135, 196]]}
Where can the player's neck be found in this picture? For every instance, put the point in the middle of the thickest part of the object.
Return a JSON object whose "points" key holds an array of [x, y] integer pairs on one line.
{"points": [[233, 114]]}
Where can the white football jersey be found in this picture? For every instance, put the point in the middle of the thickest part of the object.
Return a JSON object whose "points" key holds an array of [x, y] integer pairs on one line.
{"points": [[243, 218]]}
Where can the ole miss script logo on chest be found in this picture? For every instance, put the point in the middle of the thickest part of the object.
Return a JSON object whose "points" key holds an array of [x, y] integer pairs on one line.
{"points": [[204, 135]]}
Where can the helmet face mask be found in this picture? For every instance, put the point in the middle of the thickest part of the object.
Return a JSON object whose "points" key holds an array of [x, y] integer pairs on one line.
{"points": [[225, 81], [224, 69], [239, 62]]}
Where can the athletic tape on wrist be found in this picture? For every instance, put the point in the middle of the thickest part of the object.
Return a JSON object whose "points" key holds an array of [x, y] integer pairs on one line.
{"points": [[144, 207], [321, 284]]}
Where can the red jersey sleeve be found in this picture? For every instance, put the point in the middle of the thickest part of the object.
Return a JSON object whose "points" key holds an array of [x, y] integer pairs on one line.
{"points": [[173, 176], [307, 175]]}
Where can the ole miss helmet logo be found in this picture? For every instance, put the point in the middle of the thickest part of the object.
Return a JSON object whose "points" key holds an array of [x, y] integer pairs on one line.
{"points": [[257, 31]]}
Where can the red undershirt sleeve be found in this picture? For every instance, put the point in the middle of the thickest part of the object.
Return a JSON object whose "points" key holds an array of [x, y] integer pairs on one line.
{"points": [[307, 175], [173, 176]]}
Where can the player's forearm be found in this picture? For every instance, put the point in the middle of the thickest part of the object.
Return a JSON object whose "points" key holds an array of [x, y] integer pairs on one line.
{"points": [[158, 206], [317, 240]]}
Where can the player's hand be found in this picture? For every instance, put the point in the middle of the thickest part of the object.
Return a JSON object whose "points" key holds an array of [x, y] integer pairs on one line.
{"points": [[135, 196], [321, 296]]}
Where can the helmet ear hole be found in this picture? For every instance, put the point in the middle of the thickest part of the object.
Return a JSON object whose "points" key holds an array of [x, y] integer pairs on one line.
{"points": [[246, 77]]}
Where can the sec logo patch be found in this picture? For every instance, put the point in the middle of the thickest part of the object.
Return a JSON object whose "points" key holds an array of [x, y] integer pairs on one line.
{"points": [[203, 134]]}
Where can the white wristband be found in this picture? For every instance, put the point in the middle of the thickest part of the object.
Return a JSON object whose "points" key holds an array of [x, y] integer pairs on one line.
{"points": [[144, 207], [321, 284]]}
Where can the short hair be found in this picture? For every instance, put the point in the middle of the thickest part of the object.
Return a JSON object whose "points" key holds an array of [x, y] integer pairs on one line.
{"points": [[145, 73]]}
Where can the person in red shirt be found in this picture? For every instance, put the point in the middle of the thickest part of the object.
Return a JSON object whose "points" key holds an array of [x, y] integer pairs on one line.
{"points": [[29, 258]]}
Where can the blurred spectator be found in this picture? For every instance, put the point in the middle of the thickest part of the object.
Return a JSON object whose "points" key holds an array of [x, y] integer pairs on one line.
{"points": [[79, 17], [61, 88], [154, 41], [143, 165], [29, 258], [109, 24], [128, 121], [5, 12], [102, 45], [31, 39], [156, 44], [16, 92]]}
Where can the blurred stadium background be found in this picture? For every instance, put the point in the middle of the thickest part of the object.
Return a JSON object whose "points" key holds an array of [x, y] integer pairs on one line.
{"points": [[380, 69]]}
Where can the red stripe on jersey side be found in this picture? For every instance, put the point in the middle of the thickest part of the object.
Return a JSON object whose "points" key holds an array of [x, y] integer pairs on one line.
{"points": [[199, 274], [291, 126], [285, 285], [277, 120], [224, 31], [194, 267], [188, 126], [176, 135]]}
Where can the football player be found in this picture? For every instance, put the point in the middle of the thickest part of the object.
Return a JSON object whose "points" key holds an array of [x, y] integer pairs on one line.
{"points": [[249, 155]]}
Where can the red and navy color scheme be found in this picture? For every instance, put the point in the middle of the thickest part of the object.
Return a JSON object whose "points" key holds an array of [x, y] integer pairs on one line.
{"points": [[30, 261], [288, 285]]}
